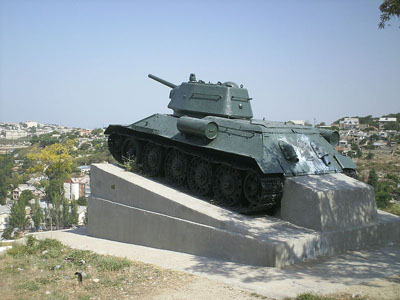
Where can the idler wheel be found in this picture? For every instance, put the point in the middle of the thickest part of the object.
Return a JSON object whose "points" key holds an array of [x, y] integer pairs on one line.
{"points": [[227, 185], [132, 150], [253, 188], [115, 142], [152, 159], [175, 167], [199, 176]]}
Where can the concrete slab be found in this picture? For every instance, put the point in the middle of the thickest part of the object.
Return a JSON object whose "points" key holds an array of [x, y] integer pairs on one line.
{"points": [[130, 208], [328, 202], [322, 276]]}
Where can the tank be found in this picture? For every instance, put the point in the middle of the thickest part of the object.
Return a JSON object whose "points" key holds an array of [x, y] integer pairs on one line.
{"points": [[212, 146]]}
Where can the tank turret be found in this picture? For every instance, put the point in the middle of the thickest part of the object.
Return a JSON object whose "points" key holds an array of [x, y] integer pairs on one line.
{"points": [[198, 99]]}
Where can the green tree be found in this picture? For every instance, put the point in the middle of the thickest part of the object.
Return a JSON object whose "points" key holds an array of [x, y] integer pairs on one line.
{"points": [[97, 131], [37, 214], [56, 162], [370, 155], [6, 165], [66, 216], [26, 196], [82, 201], [389, 9], [18, 217], [372, 178], [84, 146], [383, 194], [74, 217]]}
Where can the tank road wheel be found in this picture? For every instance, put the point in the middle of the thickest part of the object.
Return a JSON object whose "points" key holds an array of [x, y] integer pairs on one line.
{"points": [[115, 142], [176, 167], [132, 150], [227, 185], [253, 188], [152, 159], [199, 176]]}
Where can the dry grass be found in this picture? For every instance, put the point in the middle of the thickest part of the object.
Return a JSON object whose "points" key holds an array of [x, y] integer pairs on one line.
{"points": [[44, 269]]}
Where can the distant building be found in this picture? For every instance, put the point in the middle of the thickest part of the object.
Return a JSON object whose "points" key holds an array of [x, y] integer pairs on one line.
{"points": [[84, 169], [383, 121], [298, 122], [81, 215], [5, 212], [15, 134], [76, 188], [30, 124], [348, 123], [25, 187], [387, 120]]}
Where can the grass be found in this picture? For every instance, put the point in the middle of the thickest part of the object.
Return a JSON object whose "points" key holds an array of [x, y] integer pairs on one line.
{"points": [[44, 269], [312, 296]]}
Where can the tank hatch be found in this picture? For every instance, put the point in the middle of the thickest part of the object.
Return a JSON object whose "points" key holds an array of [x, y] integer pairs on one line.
{"points": [[196, 98]]}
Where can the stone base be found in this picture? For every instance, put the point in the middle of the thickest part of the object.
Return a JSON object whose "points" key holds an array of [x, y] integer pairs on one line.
{"points": [[328, 203], [130, 208]]}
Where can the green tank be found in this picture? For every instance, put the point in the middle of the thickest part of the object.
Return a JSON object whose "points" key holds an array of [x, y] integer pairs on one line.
{"points": [[212, 145]]}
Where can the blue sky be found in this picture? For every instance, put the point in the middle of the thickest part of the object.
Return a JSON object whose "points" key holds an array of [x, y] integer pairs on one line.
{"points": [[85, 63]]}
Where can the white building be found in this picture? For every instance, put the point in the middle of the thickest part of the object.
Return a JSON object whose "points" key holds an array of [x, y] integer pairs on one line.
{"points": [[25, 187], [5, 212], [15, 134], [30, 124], [347, 123], [298, 122], [75, 188], [387, 119]]}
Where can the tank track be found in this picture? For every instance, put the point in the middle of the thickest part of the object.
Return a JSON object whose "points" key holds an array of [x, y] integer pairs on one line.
{"points": [[270, 189]]}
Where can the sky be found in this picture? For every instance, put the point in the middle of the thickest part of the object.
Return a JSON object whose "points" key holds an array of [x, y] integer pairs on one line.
{"points": [[85, 63]]}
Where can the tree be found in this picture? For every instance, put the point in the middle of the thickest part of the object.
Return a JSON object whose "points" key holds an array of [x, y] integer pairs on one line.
{"points": [[37, 214], [55, 160], [372, 178], [74, 217], [370, 155], [97, 131], [18, 217], [82, 201], [66, 216], [6, 164], [26, 196], [389, 9]]}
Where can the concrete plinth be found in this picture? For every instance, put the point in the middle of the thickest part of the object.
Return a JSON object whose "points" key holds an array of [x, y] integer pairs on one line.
{"points": [[328, 203], [129, 208]]}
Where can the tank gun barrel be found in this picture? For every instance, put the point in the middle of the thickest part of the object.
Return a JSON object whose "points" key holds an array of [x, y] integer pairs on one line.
{"points": [[164, 82]]}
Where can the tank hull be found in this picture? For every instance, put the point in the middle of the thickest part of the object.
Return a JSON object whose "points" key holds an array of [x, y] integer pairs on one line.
{"points": [[216, 155]]}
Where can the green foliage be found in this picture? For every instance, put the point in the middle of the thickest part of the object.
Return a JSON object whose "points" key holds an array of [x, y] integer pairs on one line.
{"points": [[44, 140], [394, 209], [97, 131], [29, 286], [82, 201], [34, 246], [372, 178], [110, 263], [370, 155], [389, 9], [18, 217], [84, 147], [37, 214], [25, 197], [6, 165], [383, 194]]}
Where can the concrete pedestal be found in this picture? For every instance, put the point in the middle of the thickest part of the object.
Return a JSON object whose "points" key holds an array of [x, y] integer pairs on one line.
{"points": [[328, 203], [130, 208]]}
